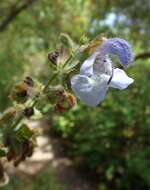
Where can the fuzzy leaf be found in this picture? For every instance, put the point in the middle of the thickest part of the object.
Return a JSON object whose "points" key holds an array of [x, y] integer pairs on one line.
{"points": [[24, 133], [2, 152]]}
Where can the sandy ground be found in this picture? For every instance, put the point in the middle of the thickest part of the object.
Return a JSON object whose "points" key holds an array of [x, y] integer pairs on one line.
{"points": [[51, 153]]}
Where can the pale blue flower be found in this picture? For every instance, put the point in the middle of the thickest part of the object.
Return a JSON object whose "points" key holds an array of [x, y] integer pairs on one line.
{"points": [[97, 73], [119, 47]]}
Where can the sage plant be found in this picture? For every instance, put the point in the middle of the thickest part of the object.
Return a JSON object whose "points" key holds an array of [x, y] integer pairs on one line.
{"points": [[96, 75]]}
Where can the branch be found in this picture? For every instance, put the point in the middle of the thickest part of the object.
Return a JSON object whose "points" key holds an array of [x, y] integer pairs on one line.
{"points": [[14, 12], [144, 55]]}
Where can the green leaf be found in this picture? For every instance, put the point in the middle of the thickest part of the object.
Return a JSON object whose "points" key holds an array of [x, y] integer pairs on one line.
{"points": [[24, 133], [7, 116], [67, 41], [110, 172], [2, 152]]}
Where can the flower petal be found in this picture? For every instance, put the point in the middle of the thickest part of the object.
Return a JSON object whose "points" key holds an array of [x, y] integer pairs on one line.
{"points": [[87, 66], [89, 90], [119, 47], [102, 65], [120, 79]]}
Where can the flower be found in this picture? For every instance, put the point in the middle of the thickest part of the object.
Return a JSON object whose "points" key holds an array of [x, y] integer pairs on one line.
{"points": [[97, 73], [65, 103], [118, 47]]}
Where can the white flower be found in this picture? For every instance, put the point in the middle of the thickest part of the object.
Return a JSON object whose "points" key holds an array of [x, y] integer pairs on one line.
{"points": [[97, 74]]}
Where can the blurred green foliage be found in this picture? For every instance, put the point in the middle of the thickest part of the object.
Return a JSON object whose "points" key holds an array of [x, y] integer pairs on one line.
{"points": [[42, 181], [111, 139]]}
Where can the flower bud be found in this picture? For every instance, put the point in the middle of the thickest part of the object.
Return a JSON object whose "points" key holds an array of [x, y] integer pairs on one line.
{"points": [[28, 112], [67, 41], [65, 103], [29, 81], [52, 56], [54, 93], [7, 116], [22, 91]]}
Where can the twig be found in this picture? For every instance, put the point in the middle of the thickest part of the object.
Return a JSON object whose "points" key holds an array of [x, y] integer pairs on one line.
{"points": [[14, 12], [144, 55]]}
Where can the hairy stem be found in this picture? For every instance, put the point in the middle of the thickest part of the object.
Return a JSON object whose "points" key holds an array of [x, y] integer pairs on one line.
{"points": [[35, 100]]}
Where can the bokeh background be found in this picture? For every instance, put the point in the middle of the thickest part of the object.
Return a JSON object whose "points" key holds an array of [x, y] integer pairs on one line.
{"points": [[111, 142]]}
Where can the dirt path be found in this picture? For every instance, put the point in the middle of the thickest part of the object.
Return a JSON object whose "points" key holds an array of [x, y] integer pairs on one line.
{"points": [[50, 152]]}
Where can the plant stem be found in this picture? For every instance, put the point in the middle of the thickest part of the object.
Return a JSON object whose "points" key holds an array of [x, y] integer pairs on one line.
{"points": [[35, 101], [49, 81], [68, 60], [18, 120], [71, 58]]}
